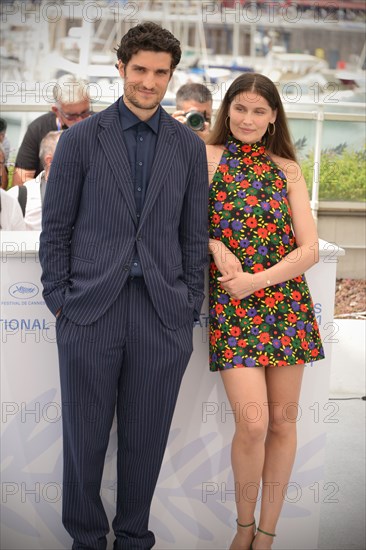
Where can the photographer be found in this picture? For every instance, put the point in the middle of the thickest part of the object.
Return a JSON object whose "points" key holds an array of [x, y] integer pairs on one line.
{"points": [[194, 108]]}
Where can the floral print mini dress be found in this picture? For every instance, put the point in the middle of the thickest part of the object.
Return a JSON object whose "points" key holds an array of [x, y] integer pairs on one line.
{"points": [[250, 213]]}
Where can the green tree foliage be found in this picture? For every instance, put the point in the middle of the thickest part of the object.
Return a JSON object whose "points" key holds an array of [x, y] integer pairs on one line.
{"points": [[342, 174]]}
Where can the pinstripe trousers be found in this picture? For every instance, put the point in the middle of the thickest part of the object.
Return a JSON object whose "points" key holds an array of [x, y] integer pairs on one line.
{"points": [[129, 362]]}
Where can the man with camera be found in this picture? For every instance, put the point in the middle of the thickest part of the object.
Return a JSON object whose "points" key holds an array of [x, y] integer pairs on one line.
{"points": [[194, 108]]}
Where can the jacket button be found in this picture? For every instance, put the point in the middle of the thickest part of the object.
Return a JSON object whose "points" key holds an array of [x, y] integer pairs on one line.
{"points": [[126, 268]]}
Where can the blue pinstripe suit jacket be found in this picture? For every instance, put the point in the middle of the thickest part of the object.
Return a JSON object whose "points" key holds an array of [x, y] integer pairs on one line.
{"points": [[90, 225]]}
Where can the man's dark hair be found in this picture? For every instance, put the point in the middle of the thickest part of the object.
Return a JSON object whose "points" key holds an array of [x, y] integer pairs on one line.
{"points": [[192, 91], [150, 37], [3, 125]]}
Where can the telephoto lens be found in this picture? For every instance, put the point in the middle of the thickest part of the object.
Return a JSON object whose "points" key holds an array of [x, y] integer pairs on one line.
{"points": [[195, 120]]}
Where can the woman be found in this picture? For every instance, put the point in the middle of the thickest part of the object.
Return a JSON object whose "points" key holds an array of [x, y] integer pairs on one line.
{"points": [[261, 313]]}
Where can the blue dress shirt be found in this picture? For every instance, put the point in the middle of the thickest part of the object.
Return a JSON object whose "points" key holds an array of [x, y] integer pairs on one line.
{"points": [[140, 139]]}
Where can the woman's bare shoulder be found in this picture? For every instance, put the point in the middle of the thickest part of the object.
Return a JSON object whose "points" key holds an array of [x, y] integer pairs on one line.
{"points": [[288, 166], [214, 152]]}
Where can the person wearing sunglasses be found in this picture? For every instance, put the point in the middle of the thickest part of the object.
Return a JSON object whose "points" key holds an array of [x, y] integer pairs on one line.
{"points": [[71, 105]]}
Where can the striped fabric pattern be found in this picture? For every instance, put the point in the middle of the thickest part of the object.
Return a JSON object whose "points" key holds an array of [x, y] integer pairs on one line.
{"points": [[123, 343], [90, 224], [127, 359]]}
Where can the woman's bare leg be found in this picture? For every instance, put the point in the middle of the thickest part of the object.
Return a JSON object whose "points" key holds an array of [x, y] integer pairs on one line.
{"points": [[283, 390], [246, 391]]}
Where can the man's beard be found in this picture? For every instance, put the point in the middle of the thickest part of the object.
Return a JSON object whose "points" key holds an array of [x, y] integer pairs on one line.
{"points": [[131, 97]]}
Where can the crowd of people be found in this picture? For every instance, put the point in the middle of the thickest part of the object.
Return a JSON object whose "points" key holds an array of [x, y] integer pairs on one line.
{"points": [[33, 160], [72, 103], [125, 196]]}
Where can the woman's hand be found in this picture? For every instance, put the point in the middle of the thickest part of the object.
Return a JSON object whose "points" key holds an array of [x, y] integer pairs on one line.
{"points": [[238, 285], [226, 262]]}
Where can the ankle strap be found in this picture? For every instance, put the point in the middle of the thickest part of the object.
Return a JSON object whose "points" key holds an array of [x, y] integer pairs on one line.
{"points": [[265, 532], [245, 525]]}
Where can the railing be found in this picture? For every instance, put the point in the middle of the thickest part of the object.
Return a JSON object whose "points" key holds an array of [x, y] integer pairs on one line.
{"points": [[320, 115], [316, 113]]}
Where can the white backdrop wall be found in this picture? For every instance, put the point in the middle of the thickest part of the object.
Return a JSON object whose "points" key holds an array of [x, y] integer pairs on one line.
{"points": [[194, 505]]}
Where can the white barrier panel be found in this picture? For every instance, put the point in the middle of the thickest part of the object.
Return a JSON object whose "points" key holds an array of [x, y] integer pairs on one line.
{"points": [[194, 504]]}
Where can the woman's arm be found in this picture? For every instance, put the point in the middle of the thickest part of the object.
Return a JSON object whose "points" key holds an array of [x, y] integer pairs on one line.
{"points": [[226, 262], [299, 260]]}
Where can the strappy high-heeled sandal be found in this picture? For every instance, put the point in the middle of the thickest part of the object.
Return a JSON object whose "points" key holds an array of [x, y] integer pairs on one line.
{"points": [[247, 525], [264, 533]]}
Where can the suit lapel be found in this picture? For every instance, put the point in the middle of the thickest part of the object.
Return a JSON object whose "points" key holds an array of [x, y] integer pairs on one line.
{"points": [[164, 155], [111, 139]]}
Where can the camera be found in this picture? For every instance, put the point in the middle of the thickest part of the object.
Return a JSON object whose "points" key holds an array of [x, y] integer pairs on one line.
{"points": [[195, 120]]}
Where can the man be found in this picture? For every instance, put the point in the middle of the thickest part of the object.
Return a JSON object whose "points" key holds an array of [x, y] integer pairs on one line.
{"points": [[3, 168], [194, 97], [72, 104], [4, 139], [123, 250], [11, 218], [31, 194]]}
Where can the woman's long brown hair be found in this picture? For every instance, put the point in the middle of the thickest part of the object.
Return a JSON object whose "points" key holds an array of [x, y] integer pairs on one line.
{"points": [[280, 143]]}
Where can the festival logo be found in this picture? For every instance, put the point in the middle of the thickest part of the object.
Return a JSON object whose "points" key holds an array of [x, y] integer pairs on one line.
{"points": [[24, 291]]}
